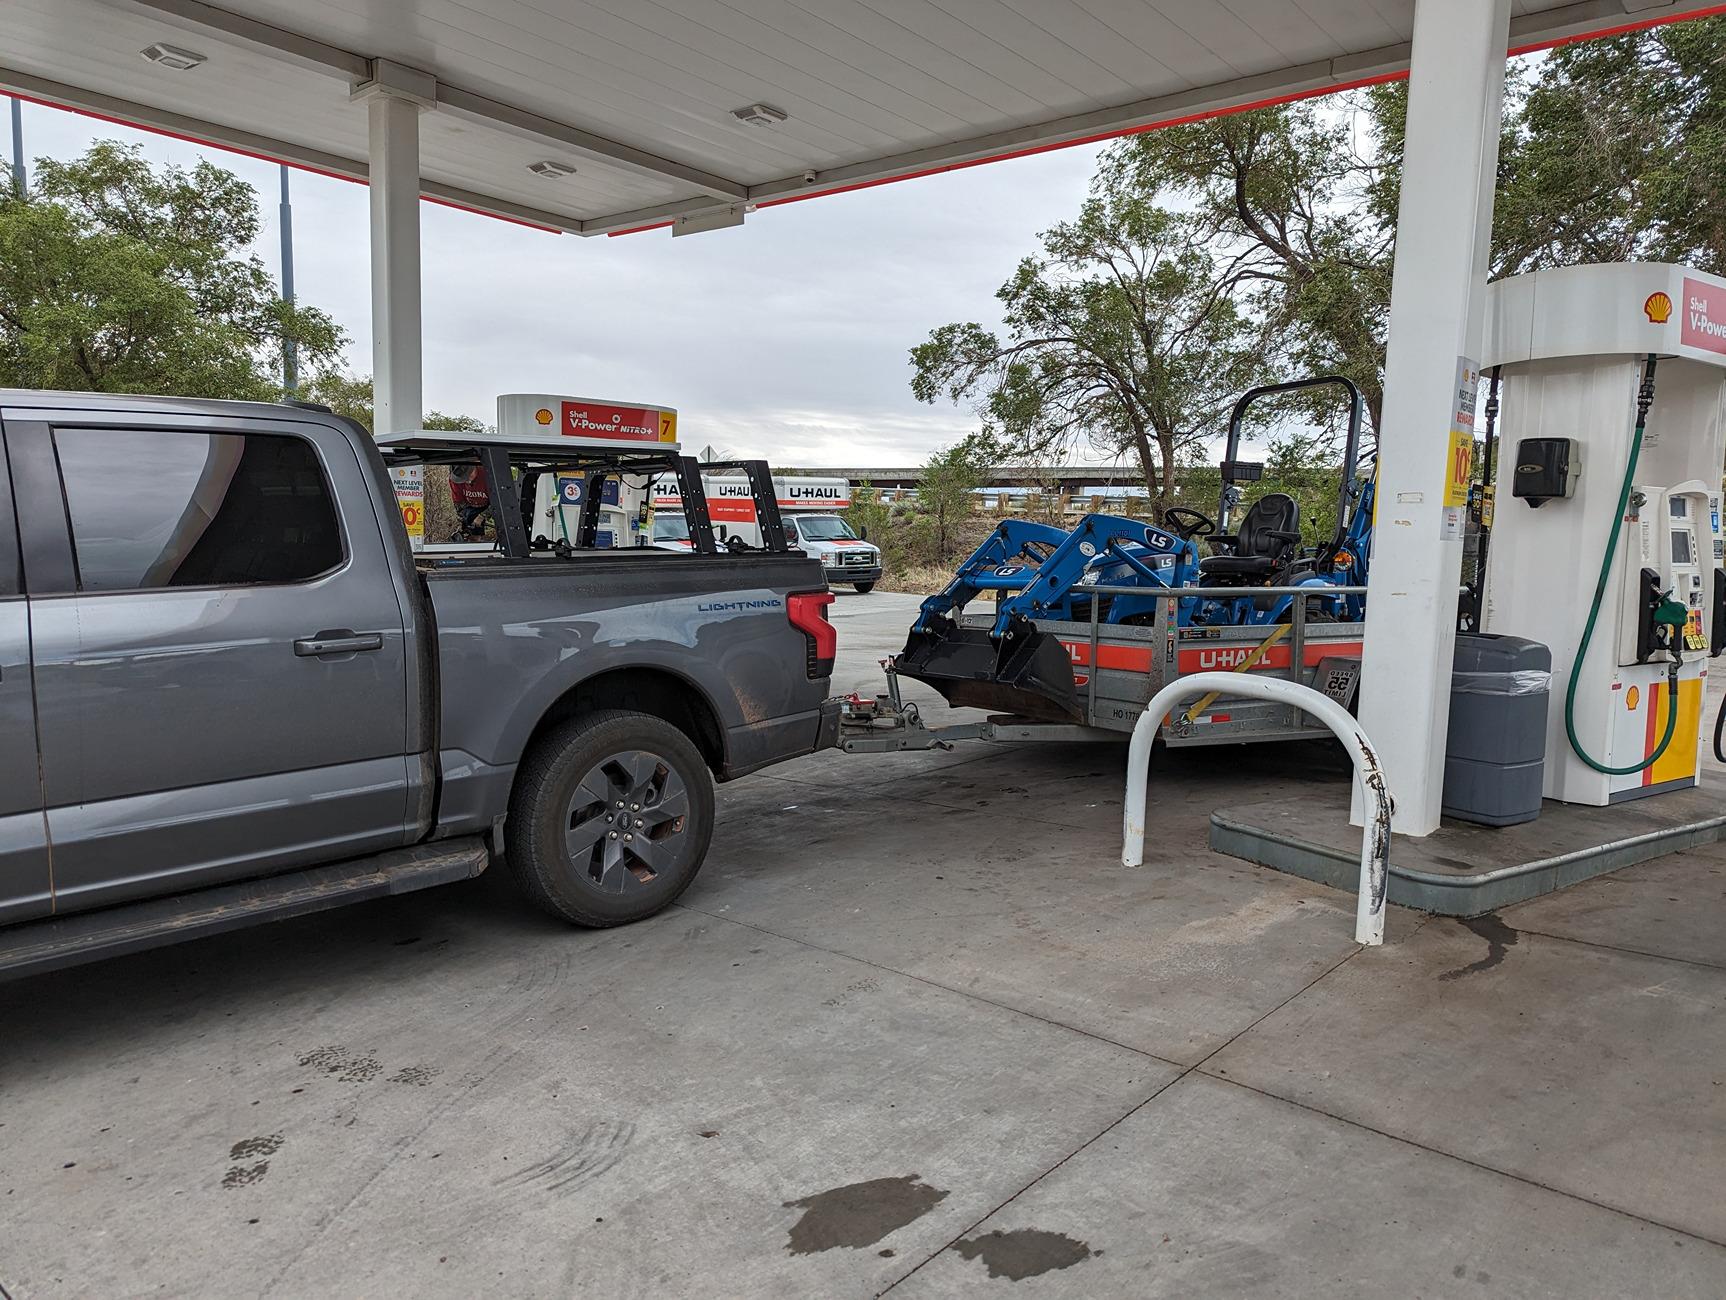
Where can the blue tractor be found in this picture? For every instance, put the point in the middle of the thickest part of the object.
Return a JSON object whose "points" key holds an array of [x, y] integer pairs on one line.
{"points": [[1039, 572]]}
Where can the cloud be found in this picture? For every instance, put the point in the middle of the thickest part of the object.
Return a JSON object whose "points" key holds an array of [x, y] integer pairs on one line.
{"points": [[786, 338]]}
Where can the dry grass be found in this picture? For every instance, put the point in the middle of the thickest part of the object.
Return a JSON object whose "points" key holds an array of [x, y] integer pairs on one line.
{"points": [[918, 579]]}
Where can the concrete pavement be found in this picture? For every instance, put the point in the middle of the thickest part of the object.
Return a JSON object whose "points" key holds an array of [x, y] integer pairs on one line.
{"points": [[913, 1030]]}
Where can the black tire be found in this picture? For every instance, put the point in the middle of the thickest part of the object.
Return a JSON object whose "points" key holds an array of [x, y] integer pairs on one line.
{"points": [[864, 588], [566, 847]]}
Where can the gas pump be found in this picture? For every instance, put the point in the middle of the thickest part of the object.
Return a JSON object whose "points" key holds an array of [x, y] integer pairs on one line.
{"points": [[625, 509], [1607, 542]]}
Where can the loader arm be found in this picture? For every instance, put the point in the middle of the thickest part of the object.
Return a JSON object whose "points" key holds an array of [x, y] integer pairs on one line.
{"points": [[1158, 559], [1006, 561]]}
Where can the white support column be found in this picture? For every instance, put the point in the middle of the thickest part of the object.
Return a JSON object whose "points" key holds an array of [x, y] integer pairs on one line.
{"points": [[1444, 229], [393, 119]]}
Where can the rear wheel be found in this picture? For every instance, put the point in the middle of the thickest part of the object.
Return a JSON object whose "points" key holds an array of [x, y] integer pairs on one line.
{"points": [[610, 818], [864, 588]]}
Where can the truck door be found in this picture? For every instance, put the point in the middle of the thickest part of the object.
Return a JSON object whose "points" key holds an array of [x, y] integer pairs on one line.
{"points": [[25, 883], [220, 667]]}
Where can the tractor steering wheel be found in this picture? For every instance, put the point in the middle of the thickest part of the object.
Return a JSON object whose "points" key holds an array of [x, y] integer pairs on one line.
{"points": [[1189, 523]]}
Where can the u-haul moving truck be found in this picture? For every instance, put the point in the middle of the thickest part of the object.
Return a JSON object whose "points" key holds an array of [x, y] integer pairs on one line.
{"points": [[809, 506]]}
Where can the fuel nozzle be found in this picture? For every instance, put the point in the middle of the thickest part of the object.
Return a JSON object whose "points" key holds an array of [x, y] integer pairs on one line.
{"points": [[1670, 620]]}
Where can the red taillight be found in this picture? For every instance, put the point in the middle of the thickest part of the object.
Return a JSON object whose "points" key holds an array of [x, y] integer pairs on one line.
{"points": [[808, 613]]}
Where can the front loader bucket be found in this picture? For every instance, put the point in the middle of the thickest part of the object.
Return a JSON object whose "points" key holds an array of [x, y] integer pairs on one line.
{"points": [[1028, 674]]}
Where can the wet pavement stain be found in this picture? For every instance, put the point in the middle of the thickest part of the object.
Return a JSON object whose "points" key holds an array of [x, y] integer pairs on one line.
{"points": [[1024, 1252], [860, 1214], [1499, 937]]}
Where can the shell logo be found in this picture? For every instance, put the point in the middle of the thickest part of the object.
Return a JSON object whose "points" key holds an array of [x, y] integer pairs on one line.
{"points": [[543, 415], [1657, 307], [1632, 698]]}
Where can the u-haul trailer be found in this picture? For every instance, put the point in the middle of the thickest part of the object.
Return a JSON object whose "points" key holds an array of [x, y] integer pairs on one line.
{"points": [[1118, 668]]}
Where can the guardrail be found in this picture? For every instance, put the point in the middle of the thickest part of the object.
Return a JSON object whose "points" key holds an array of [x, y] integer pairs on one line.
{"points": [[1375, 838]]}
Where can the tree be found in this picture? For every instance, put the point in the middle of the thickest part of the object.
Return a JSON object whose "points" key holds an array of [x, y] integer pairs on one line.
{"points": [[1611, 150], [949, 478], [351, 395], [1617, 153], [1116, 335], [1296, 214], [119, 277]]}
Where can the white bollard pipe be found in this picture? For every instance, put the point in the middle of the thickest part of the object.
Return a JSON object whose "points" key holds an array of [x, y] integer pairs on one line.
{"points": [[1375, 841]]}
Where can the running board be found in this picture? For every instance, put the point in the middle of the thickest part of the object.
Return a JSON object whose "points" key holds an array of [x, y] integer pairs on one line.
{"points": [[55, 942]]}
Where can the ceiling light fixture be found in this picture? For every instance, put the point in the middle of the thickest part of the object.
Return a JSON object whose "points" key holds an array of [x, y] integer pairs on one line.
{"points": [[173, 56], [760, 114], [551, 170]]}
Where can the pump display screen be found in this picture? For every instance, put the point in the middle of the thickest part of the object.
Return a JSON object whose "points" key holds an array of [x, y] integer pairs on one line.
{"points": [[1678, 507], [1681, 546]]}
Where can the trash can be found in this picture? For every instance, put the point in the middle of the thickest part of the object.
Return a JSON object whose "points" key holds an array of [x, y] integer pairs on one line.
{"points": [[1495, 761]]}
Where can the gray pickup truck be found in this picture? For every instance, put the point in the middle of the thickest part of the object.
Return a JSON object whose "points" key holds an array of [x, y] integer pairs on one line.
{"points": [[230, 691]]}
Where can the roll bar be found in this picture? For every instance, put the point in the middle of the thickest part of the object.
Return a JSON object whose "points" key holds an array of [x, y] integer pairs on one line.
{"points": [[1233, 468]]}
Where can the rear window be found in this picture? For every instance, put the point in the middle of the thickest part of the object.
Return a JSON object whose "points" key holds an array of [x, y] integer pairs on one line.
{"points": [[169, 509]]}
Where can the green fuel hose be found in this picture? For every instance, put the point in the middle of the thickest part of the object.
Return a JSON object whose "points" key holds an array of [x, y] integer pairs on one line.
{"points": [[1644, 399]]}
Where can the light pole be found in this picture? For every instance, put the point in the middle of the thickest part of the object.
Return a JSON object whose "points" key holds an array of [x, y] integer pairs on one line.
{"points": [[290, 357], [18, 143]]}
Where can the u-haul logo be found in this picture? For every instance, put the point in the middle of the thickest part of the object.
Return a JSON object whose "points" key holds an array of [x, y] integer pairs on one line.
{"points": [[1222, 656]]}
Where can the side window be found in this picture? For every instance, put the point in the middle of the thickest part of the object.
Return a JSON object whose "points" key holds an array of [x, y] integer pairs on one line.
{"points": [[790, 530], [169, 509]]}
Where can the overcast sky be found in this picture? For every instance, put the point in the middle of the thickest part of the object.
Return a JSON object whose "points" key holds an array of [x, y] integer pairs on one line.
{"points": [[785, 338]]}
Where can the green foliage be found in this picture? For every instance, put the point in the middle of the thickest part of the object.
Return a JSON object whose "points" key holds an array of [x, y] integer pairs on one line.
{"points": [[1618, 153], [1115, 335], [949, 478], [1294, 212], [347, 395], [351, 395], [119, 277], [867, 514]]}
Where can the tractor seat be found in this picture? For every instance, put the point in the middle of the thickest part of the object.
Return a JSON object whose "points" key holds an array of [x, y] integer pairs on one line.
{"points": [[1268, 530]]}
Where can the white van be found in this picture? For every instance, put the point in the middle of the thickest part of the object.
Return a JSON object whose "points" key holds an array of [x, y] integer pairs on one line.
{"points": [[844, 556]]}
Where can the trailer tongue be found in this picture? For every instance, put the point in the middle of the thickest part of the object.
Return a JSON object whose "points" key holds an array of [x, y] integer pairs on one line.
{"points": [[1026, 673]]}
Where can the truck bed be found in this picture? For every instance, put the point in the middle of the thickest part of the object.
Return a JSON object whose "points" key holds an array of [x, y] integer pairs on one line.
{"points": [[514, 636]]}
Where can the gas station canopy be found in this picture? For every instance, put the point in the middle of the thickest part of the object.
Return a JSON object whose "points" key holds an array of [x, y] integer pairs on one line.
{"points": [[689, 112]]}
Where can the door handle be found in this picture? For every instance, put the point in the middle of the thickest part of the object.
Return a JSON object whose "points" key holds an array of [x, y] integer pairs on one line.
{"points": [[342, 642]]}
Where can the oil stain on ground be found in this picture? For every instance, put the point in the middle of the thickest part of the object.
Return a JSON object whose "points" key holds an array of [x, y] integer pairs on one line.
{"points": [[1024, 1252], [860, 1214], [1499, 937]]}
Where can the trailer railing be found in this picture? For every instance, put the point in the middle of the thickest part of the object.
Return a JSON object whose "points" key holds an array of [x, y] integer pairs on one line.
{"points": [[1375, 795], [1297, 620]]}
